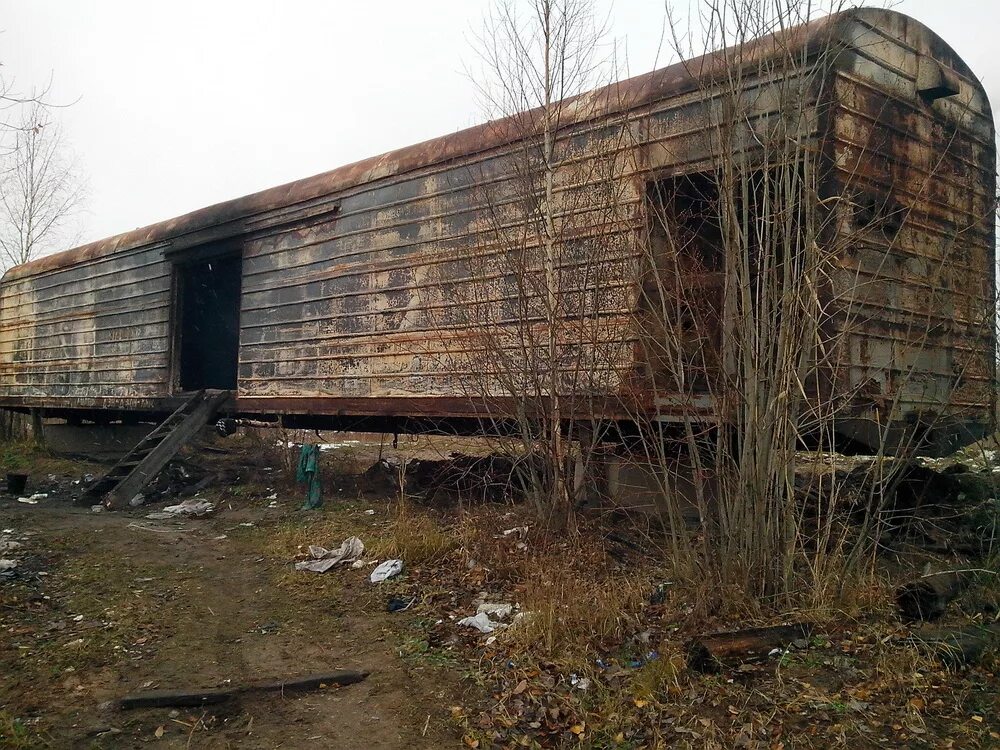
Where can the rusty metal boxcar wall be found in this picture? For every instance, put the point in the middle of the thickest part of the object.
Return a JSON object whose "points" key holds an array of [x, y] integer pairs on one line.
{"points": [[336, 286]]}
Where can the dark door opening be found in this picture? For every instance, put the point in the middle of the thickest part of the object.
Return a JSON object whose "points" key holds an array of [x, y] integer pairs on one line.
{"points": [[209, 335]]}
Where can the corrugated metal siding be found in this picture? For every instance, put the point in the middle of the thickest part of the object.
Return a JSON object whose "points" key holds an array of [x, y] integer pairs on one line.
{"points": [[918, 306], [375, 302], [79, 335]]}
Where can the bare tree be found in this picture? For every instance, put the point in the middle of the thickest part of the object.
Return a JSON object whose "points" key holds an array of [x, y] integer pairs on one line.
{"points": [[41, 189], [531, 289], [762, 283]]}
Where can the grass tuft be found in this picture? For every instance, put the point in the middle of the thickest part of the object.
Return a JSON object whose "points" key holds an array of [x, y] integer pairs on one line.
{"points": [[416, 539], [570, 612]]}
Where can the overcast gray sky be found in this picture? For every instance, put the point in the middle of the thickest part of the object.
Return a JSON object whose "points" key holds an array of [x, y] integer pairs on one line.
{"points": [[185, 103]]}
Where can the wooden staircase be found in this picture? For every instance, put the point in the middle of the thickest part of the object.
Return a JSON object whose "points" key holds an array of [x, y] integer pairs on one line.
{"points": [[141, 464]]}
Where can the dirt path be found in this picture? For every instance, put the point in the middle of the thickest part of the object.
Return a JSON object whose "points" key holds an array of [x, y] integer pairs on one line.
{"points": [[134, 603]]}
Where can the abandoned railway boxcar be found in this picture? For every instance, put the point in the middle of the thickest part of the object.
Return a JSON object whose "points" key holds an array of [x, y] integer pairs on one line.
{"points": [[327, 299]]}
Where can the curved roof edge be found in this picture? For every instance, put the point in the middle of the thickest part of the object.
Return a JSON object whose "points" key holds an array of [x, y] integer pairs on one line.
{"points": [[618, 97]]}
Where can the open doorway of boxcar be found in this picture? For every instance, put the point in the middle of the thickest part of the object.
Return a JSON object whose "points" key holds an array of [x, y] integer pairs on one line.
{"points": [[208, 323]]}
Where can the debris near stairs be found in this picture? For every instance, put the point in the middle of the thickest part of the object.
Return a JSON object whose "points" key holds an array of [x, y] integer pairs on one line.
{"points": [[211, 696], [179, 479], [140, 466], [709, 653], [192, 507]]}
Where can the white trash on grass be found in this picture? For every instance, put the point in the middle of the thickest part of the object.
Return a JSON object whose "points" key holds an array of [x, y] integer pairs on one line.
{"points": [[481, 622], [323, 559], [497, 610], [388, 569]]}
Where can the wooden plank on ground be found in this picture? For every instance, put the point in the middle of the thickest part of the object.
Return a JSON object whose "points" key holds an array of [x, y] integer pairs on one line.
{"points": [[211, 696]]}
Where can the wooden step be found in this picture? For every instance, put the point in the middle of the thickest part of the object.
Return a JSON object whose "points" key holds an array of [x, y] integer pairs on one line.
{"points": [[141, 465]]}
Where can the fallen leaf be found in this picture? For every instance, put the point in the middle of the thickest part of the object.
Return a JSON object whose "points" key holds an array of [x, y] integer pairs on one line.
{"points": [[159, 731], [578, 728], [917, 704], [640, 703], [521, 687], [470, 741]]}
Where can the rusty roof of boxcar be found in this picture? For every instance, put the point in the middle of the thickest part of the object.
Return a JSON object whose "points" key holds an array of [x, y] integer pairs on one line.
{"points": [[674, 80]]}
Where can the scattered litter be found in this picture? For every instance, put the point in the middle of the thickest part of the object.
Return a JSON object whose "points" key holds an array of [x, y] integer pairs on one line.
{"points": [[388, 569], [7, 543], [96, 508], [369, 512], [358, 564], [481, 622], [659, 595], [219, 537], [499, 611], [33, 499], [645, 659], [273, 504], [189, 507], [521, 531], [272, 496], [399, 605], [323, 559], [580, 683], [7, 565], [248, 524], [137, 500]]}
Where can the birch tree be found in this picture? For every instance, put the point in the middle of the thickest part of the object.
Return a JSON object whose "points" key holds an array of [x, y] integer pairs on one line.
{"points": [[41, 189]]}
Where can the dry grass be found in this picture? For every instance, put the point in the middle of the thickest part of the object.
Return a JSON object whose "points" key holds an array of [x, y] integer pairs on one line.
{"points": [[416, 538], [576, 600]]}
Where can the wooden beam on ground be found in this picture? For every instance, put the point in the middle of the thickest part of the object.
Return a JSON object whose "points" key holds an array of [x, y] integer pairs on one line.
{"points": [[708, 653], [212, 696], [927, 597], [958, 646]]}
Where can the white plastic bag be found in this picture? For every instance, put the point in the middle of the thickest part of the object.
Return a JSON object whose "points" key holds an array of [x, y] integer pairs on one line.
{"points": [[388, 569]]}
